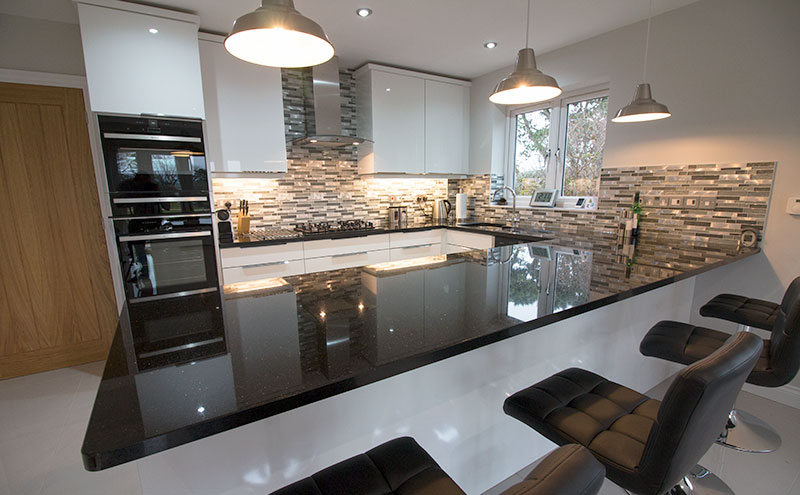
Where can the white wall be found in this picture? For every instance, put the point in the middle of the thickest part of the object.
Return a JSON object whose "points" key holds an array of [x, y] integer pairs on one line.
{"points": [[40, 45], [729, 72]]}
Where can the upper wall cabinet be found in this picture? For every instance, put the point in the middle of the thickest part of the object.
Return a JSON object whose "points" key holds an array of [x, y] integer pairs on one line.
{"points": [[244, 112], [419, 123], [142, 62]]}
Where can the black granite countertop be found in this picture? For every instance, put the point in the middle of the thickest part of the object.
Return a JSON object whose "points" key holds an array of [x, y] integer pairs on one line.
{"points": [[243, 241], [258, 349]]}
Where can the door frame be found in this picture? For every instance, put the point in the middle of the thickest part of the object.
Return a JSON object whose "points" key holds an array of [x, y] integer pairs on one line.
{"points": [[79, 82]]}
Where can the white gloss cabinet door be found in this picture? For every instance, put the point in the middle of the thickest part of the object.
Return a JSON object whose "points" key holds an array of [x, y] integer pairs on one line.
{"points": [[141, 64], [446, 128], [244, 112], [398, 120]]}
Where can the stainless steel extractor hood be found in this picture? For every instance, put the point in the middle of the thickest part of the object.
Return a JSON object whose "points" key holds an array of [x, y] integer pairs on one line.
{"points": [[326, 129]]}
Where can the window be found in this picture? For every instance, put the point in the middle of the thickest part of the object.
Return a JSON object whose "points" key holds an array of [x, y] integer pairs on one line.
{"points": [[559, 145]]}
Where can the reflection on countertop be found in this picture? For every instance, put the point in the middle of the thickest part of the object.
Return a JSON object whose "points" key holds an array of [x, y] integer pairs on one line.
{"points": [[288, 342]]}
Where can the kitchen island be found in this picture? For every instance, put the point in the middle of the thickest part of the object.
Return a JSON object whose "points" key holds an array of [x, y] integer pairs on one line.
{"points": [[274, 345]]}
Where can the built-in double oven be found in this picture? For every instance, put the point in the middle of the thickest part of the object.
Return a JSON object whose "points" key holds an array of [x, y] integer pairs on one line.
{"points": [[159, 193]]}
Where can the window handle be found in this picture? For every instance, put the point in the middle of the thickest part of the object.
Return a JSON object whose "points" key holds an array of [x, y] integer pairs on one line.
{"points": [[558, 152]]}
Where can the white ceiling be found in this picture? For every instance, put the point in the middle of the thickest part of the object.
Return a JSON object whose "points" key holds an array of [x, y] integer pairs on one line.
{"points": [[440, 36]]}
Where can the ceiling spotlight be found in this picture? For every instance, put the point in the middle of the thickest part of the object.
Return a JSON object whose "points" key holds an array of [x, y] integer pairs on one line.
{"points": [[153, 31], [490, 44], [364, 12]]}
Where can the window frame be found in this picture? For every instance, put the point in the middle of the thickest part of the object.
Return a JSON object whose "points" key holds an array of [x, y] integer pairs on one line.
{"points": [[556, 159]]}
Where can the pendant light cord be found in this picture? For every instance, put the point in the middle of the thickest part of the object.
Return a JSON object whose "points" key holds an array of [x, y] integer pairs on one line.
{"points": [[647, 42], [528, 28]]}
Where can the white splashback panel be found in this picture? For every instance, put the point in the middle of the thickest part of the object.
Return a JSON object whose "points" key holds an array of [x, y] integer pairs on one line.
{"points": [[453, 408]]}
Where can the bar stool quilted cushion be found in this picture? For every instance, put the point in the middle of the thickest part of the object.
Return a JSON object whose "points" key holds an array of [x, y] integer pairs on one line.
{"points": [[743, 310], [578, 406], [399, 466], [568, 470], [685, 344]]}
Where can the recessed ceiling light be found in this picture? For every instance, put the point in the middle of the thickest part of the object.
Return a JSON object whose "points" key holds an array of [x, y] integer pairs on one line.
{"points": [[153, 31], [388, 89], [364, 12], [490, 44]]}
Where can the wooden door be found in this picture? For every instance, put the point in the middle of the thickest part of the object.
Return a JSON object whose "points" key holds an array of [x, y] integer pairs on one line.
{"points": [[57, 305]]}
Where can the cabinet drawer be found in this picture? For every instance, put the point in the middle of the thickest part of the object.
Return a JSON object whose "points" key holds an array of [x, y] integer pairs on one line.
{"points": [[243, 256], [469, 240], [333, 247], [348, 260], [410, 252], [263, 270], [453, 249], [403, 239]]}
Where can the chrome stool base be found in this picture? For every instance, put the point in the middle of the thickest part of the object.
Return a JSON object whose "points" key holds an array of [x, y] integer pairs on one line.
{"points": [[747, 433], [701, 481]]}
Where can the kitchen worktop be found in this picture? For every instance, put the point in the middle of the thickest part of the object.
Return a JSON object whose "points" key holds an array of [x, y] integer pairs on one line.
{"points": [[284, 343], [521, 234]]}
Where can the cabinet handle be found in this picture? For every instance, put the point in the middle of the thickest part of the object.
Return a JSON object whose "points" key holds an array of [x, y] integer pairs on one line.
{"points": [[418, 246], [349, 254], [273, 263]]}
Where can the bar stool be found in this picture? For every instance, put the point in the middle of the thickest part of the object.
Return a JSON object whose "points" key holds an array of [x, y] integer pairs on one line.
{"points": [[778, 365], [648, 447], [402, 467], [748, 312]]}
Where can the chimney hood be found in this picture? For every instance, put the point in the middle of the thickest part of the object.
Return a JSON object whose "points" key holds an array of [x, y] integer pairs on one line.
{"points": [[326, 129]]}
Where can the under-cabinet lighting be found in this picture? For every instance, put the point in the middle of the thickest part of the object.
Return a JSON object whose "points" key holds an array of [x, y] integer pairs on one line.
{"points": [[412, 263], [242, 287]]}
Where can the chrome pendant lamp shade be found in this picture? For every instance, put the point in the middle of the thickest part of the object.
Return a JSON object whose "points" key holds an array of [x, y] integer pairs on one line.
{"points": [[277, 35], [643, 108], [527, 84]]}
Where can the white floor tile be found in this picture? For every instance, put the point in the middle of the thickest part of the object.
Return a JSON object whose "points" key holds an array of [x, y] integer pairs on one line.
{"points": [[67, 475], [26, 460]]}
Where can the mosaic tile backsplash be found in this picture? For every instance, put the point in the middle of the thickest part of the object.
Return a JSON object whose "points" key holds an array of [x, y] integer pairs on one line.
{"points": [[697, 203], [711, 202]]}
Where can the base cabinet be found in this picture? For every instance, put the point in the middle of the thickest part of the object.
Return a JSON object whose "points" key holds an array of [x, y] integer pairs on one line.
{"points": [[245, 264]]}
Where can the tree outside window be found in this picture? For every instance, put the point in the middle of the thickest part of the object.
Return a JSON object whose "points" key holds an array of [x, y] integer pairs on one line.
{"points": [[559, 145]]}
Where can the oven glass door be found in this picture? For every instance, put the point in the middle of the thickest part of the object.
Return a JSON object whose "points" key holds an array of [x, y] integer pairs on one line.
{"points": [[164, 257], [142, 208], [155, 168]]}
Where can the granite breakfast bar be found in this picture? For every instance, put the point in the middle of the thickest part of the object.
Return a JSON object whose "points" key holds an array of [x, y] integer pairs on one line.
{"points": [[425, 345]]}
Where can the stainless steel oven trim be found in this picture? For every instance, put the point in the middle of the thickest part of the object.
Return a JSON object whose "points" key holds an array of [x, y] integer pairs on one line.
{"points": [[152, 137], [156, 217], [171, 199], [173, 295], [180, 348], [158, 237]]}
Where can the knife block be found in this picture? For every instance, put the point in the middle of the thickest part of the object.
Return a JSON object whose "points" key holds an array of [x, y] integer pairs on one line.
{"points": [[243, 225]]}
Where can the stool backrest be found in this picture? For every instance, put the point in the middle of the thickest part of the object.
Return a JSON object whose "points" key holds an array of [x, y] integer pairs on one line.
{"points": [[695, 410], [784, 351]]}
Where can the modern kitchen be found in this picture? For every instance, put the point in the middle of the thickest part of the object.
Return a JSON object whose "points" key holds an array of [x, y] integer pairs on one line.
{"points": [[360, 247]]}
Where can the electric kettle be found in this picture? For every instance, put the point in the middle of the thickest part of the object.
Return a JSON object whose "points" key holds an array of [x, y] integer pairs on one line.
{"points": [[441, 208]]}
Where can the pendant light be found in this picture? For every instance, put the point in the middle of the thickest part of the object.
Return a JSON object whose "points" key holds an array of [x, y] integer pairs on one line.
{"points": [[643, 108], [277, 35], [526, 84]]}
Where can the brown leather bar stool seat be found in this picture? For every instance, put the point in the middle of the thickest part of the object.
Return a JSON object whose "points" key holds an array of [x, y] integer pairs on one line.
{"points": [[648, 447], [402, 467], [778, 364], [750, 312]]}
